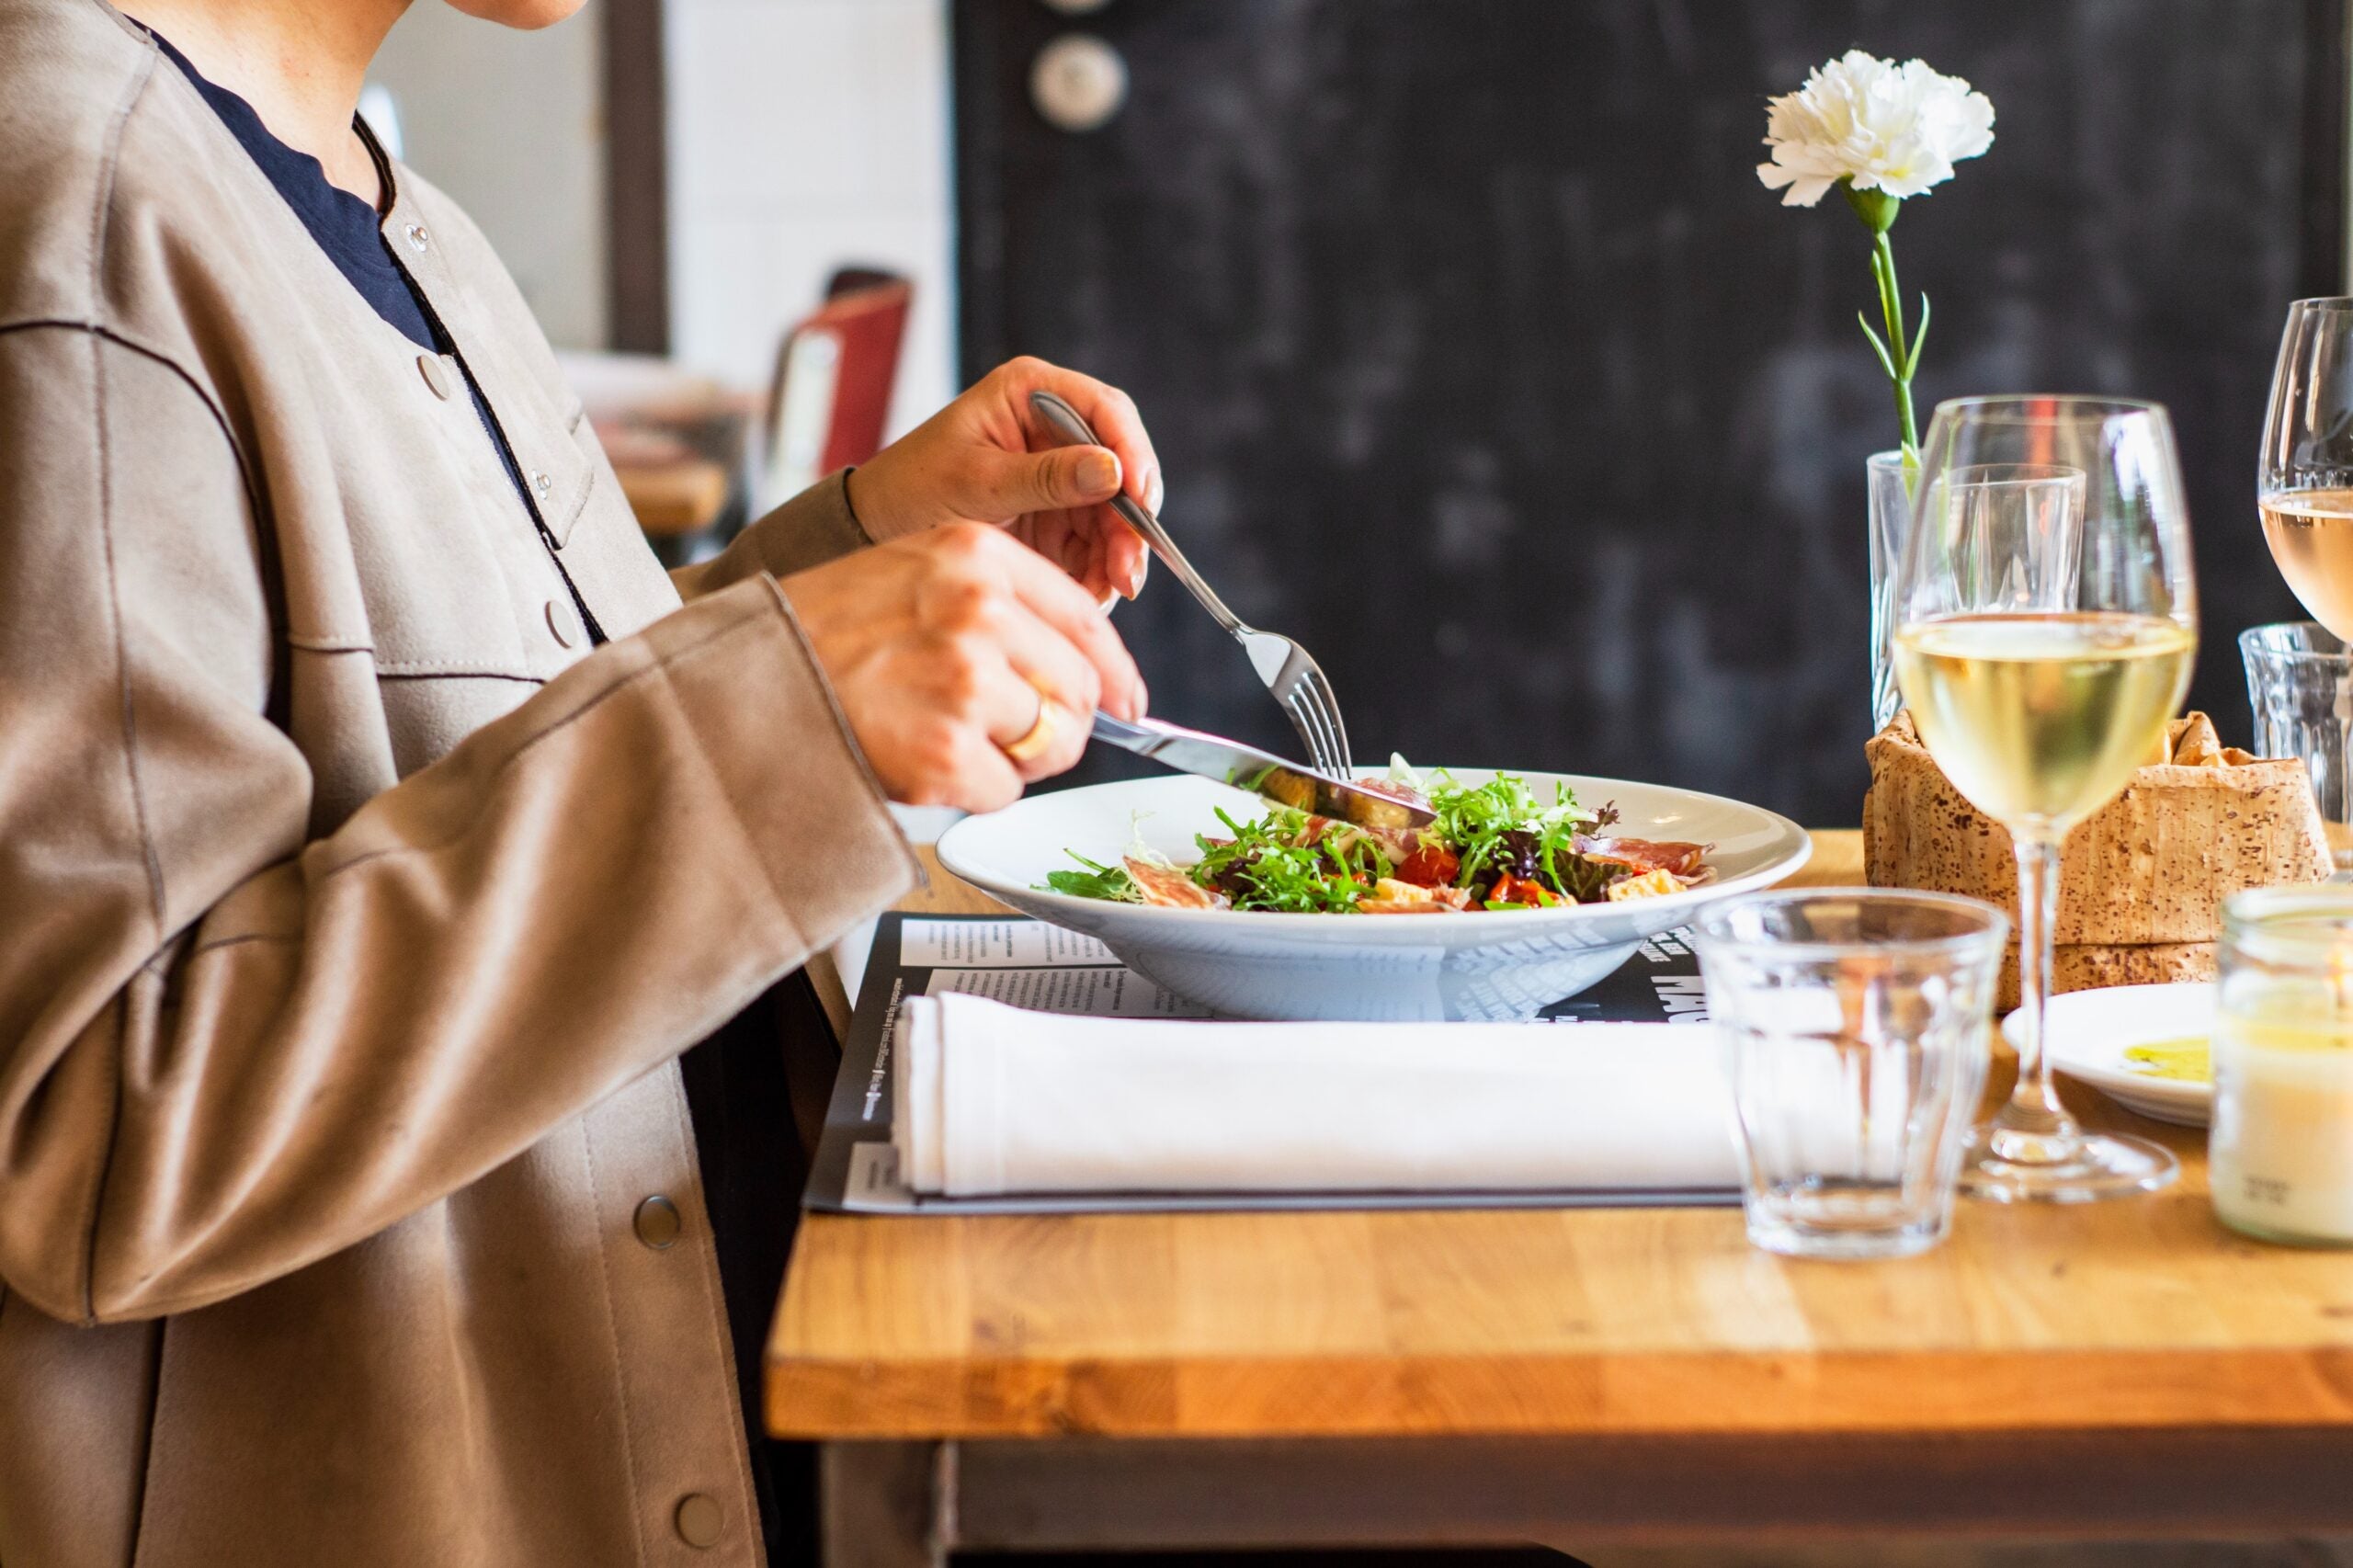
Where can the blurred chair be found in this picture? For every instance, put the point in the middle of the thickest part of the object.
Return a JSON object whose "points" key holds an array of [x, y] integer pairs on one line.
{"points": [[833, 378], [679, 444]]}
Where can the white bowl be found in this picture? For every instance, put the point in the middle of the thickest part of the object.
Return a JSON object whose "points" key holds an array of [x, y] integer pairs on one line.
{"points": [[1481, 965], [2087, 1033]]}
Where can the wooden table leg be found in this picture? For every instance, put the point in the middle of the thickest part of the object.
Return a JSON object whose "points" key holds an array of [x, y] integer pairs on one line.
{"points": [[886, 1505]]}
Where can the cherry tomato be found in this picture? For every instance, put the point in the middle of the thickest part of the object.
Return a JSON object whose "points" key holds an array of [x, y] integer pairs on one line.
{"points": [[1431, 865]]}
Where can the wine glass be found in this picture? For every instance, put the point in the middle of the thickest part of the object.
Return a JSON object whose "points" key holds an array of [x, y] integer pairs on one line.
{"points": [[2299, 682], [2304, 482], [2042, 654]]}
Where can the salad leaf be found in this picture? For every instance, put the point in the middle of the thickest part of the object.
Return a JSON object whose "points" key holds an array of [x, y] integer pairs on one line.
{"points": [[1111, 882], [1499, 826], [1280, 863]]}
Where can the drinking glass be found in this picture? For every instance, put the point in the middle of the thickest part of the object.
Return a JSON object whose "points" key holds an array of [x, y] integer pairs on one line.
{"points": [[2304, 477], [1855, 1026], [2041, 666], [2300, 687]]}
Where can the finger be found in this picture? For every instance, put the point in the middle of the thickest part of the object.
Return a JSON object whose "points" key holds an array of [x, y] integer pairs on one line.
{"points": [[1125, 558], [1109, 412], [1047, 661], [982, 778], [1074, 540], [1066, 607], [1112, 415], [1007, 485], [1043, 736]]}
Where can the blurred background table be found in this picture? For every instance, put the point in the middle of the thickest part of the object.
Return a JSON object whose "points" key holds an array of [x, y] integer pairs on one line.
{"points": [[675, 495], [1580, 1377]]}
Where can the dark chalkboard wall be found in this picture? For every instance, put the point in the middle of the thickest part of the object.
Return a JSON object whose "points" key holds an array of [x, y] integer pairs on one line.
{"points": [[1480, 361]]}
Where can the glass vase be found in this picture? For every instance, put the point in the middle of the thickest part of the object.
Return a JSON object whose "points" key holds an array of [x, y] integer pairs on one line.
{"points": [[1891, 517]]}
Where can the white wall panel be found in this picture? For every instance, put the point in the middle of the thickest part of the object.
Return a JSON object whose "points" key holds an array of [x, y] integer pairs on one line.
{"points": [[805, 135]]}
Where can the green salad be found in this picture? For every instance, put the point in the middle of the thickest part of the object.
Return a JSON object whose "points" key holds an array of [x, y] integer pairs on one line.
{"points": [[1493, 846]]}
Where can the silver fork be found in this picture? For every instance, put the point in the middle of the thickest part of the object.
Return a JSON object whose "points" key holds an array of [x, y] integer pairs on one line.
{"points": [[1295, 679]]}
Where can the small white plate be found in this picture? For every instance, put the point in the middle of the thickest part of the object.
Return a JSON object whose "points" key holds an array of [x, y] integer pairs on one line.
{"points": [[2089, 1031]]}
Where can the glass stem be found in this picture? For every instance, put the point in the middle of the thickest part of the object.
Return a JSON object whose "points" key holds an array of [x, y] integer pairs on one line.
{"points": [[2336, 797], [2034, 1108]]}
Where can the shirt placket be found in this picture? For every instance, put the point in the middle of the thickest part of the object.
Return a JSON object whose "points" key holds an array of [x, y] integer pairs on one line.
{"points": [[569, 620]]}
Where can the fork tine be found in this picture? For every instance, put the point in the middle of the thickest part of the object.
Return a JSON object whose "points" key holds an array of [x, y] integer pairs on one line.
{"points": [[1309, 735], [1303, 719], [1309, 693], [1335, 755], [1284, 684], [1331, 702], [1308, 718], [1334, 759]]}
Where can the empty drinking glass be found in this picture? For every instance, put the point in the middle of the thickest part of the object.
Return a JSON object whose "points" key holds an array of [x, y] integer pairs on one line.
{"points": [[2021, 527], [1856, 1025], [2300, 684]]}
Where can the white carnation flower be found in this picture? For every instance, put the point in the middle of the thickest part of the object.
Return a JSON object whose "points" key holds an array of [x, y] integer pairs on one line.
{"points": [[1899, 128]]}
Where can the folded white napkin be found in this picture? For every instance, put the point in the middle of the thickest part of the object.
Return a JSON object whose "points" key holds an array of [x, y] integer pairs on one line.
{"points": [[994, 1099]]}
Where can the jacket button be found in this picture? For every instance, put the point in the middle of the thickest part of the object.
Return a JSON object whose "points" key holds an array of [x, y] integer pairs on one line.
{"points": [[699, 1520], [559, 624], [417, 238], [436, 374], [658, 1225], [541, 483]]}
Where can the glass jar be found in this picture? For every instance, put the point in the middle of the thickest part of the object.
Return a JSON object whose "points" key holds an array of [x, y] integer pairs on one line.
{"points": [[2281, 1149]]}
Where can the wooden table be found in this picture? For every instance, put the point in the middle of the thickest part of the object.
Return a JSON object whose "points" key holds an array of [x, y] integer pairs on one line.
{"points": [[2128, 1370], [680, 496]]}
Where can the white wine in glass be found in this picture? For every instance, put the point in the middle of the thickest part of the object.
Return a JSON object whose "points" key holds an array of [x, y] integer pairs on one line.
{"points": [[2297, 678], [2041, 658], [2311, 534], [2304, 480], [2041, 718]]}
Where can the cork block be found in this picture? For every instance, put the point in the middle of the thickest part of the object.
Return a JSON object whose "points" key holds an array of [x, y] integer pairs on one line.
{"points": [[2141, 883]]}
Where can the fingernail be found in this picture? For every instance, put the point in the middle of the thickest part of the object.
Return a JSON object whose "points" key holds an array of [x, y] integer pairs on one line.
{"points": [[1098, 473]]}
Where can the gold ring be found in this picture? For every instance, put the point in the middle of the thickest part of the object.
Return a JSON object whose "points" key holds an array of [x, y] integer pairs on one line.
{"points": [[1038, 737]]}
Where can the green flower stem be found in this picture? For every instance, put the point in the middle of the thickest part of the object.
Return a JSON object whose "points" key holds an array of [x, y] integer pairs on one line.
{"points": [[1903, 351], [1899, 356]]}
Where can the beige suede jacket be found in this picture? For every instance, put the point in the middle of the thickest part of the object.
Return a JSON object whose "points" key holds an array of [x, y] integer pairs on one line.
{"points": [[352, 910]]}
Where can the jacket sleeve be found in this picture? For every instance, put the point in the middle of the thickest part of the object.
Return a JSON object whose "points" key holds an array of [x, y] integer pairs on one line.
{"points": [[812, 528], [227, 1049]]}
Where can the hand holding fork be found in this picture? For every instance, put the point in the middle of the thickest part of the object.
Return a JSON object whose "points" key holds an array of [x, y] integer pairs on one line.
{"points": [[1294, 678]]}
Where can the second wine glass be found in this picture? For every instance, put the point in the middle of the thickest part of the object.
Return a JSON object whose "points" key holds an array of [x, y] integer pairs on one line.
{"points": [[2300, 682], [2047, 618]]}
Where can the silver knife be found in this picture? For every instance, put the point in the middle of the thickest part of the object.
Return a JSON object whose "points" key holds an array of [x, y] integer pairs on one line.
{"points": [[1262, 773]]}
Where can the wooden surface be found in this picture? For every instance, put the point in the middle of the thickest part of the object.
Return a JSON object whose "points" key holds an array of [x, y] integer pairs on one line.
{"points": [[677, 498], [2144, 1314]]}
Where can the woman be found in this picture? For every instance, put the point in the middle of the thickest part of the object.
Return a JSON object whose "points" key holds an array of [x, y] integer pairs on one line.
{"points": [[378, 830]]}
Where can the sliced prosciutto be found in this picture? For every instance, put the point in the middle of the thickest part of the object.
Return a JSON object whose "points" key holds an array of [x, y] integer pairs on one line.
{"points": [[1172, 889], [1641, 856]]}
